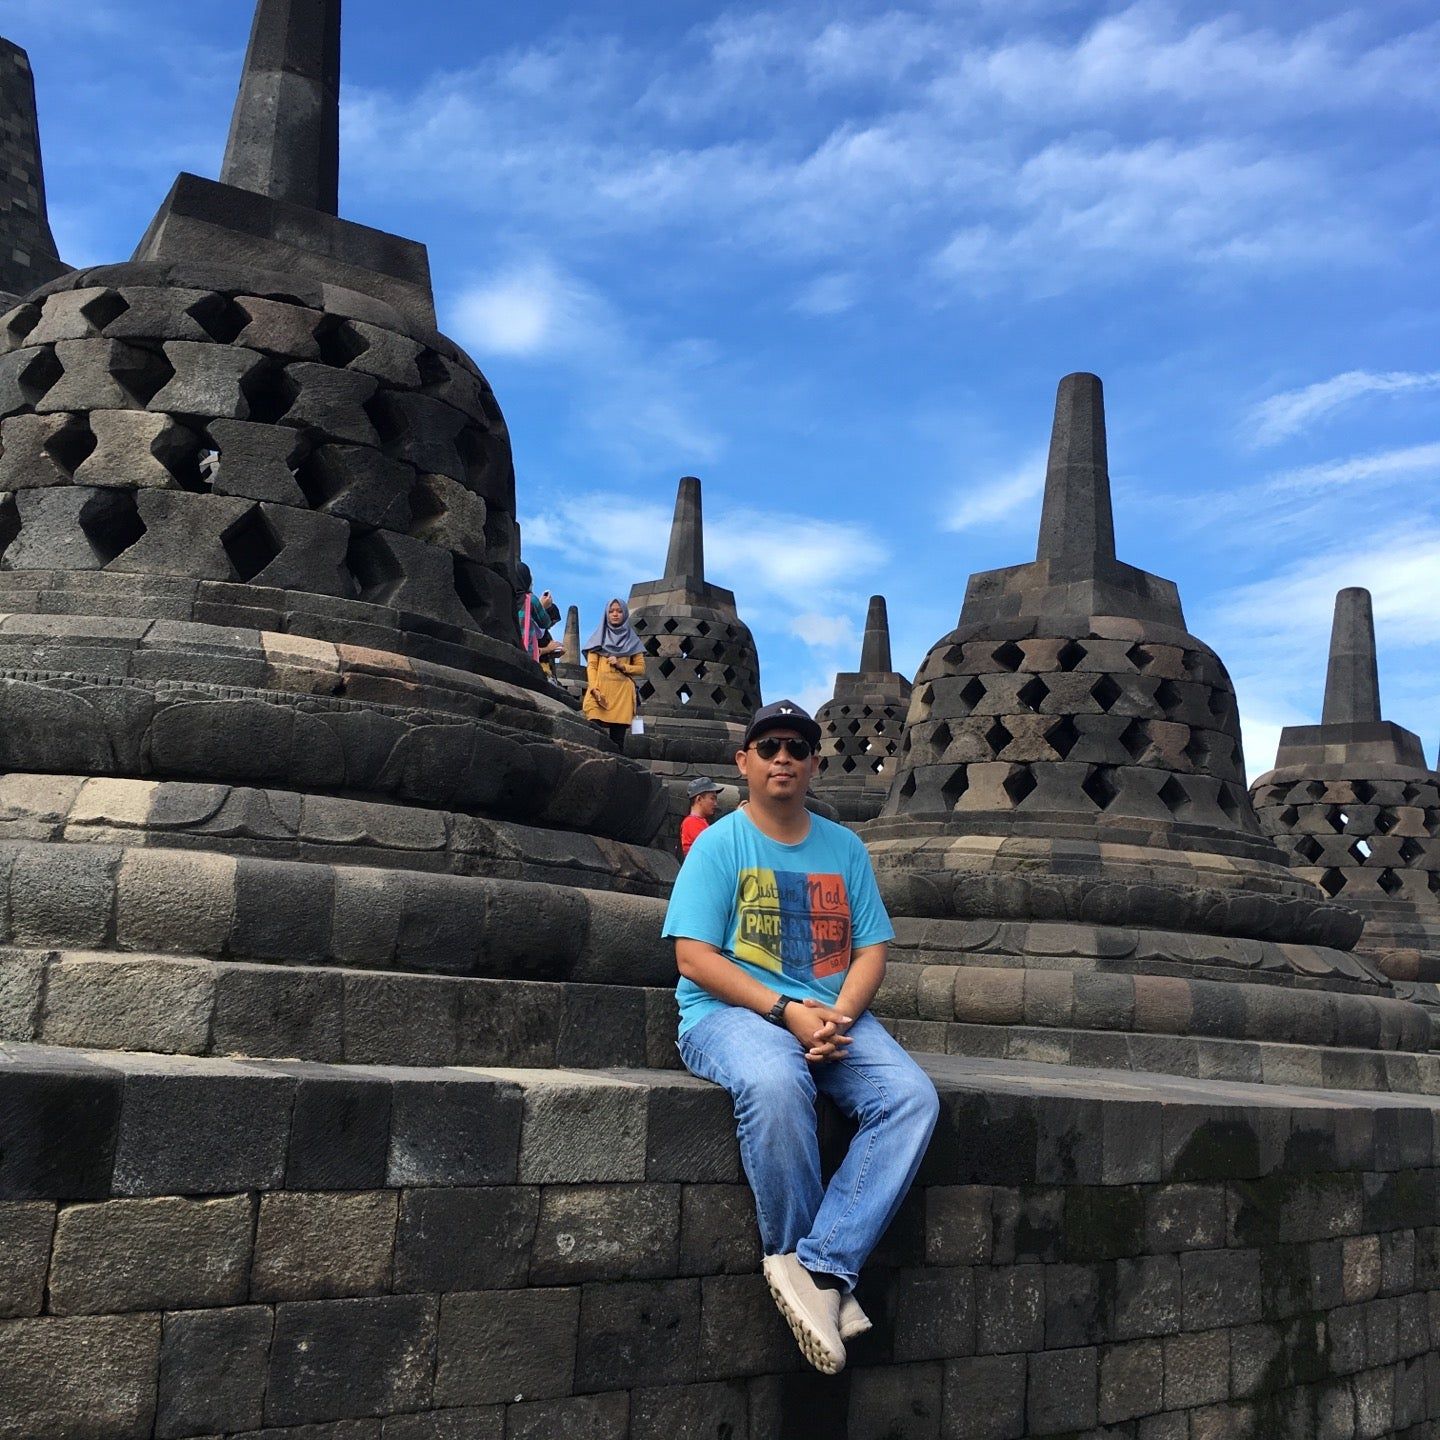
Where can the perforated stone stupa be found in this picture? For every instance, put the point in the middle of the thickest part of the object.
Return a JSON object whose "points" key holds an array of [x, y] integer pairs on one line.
{"points": [[1070, 815], [261, 691], [1353, 804], [861, 726], [702, 675], [27, 246]]}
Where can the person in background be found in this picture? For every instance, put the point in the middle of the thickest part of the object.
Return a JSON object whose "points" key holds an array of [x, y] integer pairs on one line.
{"points": [[704, 796], [614, 662], [535, 616]]}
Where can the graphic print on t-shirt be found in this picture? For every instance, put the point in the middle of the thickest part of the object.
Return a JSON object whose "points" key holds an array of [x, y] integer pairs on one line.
{"points": [[792, 922]]}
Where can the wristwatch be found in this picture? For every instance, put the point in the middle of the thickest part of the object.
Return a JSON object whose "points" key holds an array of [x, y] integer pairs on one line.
{"points": [[776, 1013]]}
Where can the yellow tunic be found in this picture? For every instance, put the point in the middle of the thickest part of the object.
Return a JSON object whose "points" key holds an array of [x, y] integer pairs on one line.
{"points": [[613, 677]]}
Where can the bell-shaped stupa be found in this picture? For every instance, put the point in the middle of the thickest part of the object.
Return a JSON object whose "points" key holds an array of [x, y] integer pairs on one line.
{"points": [[861, 725], [702, 675], [1353, 804], [1068, 843]]}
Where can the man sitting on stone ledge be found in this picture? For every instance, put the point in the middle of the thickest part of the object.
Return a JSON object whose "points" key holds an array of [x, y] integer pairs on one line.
{"points": [[780, 941]]}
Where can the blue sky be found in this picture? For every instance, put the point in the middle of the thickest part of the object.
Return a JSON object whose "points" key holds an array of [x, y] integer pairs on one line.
{"points": [[833, 258]]}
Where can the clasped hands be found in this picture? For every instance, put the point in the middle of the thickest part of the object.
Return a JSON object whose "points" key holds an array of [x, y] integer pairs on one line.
{"points": [[820, 1028]]}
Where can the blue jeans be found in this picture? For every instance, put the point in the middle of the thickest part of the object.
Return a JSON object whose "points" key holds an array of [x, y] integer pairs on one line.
{"points": [[831, 1228]]}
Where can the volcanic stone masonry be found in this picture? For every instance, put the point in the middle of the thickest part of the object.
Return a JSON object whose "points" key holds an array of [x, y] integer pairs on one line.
{"points": [[1353, 804], [338, 1098], [860, 726], [27, 248]]}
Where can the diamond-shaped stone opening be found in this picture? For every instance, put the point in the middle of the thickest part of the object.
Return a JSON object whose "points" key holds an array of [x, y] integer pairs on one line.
{"points": [[907, 786], [647, 691], [321, 476], [1309, 849], [728, 673], [865, 747], [717, 695], [853, 727], [971, 693], [951, 656], [687, 644], [671, 625], [847, 764], [748, 701], [434, 373], [1287, 817], [1100, 786], [940, 738], [1105, 692], [1411, 850], [1167, 696], [997, 737], [866, 711], [71, 445], [1008, 656], [640, 625], [877, 766], [1174, 796], [701, 669], [667, 668], [1197, 749], [1135, 738], [1360, 849], [1032, 693], [143, 374], [955, 786], [476, 458], [703, 627], [880, 726], [1385, 820], [1062, 736], [1231, 802], [269, 392], [684, 695], [9, 522], [374, 566], [1070, 654], [1332, 882], [22, 320], [1364, 791], [1019, 784], [1139, 656], [111, 523], [340, 343], [104, 309], [38, 376], [1335, 818], [1390, 882], [483, 601], [251, 543], [219, 317], [1315, 789], [1221, 704], [192, 462]]}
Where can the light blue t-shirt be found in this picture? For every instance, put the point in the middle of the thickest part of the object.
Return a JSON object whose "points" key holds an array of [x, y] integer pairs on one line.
{"points": [[790, 915]]}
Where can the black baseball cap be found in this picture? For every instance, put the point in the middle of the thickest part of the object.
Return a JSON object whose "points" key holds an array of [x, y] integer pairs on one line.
{"points": [[782, 715]]}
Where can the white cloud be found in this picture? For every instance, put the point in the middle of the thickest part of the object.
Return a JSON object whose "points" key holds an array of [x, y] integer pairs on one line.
{"points": [[1409, 460], [829, 294], [827, 632], [991, 502], [529, 309], [1291, 411]]}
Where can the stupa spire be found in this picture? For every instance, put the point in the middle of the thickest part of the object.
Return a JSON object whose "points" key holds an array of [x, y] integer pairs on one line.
{"points": [[570, 654], [285, 132], [875, 651], [1076, 523], [1352, 680], [686, 557]]}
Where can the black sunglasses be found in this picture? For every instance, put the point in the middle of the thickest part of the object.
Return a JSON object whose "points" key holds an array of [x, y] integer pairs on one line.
{"points": [[769, 747]]}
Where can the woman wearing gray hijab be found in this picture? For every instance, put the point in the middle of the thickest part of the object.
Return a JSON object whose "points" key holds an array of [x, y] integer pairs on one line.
{"points": [[614, 663]]}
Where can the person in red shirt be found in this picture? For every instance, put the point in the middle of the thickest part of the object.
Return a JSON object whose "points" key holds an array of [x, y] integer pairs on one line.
{"points": [[704, 796]]}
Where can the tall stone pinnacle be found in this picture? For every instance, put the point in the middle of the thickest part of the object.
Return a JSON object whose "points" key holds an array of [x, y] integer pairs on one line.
{"points": [[1076, 522], [875, 651], [571, 653], [27, 246], [686, 558], [285, 133], [1352, 681]]}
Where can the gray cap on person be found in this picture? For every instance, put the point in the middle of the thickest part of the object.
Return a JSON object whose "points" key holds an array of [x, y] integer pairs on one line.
{"points": [[701, 785]]}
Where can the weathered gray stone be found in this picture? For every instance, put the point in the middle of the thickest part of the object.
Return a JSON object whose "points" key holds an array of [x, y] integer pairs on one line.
{"points": [[343, 1359], [279, 329], [448, 515], [97, 375], [260, 1010], [166, 1253], [208, 383], [256, 461], [475, 1238], [605, 1232], [638, 1332], [985, 1398], [38, 450], [579, 1128], [718, 1233], [112, 1003], [1132, 1379], [21, 980], [586, 1417], [506, 1345], [318, 1247], [138, 450], [83, 1377], [212, 1371], [25, 1231], [903, 1401], [331, 403], [1197, 1368]]}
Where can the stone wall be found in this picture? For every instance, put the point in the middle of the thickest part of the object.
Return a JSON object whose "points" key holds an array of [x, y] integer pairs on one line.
{"points": [[381, 1254]]}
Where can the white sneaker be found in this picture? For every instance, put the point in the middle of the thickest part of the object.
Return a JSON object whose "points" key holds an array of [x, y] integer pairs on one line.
{"points": [[811, 1311], [854, 1322]]}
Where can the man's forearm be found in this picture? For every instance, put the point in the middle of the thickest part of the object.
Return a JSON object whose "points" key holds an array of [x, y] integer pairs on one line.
{"points": [[867, 970], [722, 978]]}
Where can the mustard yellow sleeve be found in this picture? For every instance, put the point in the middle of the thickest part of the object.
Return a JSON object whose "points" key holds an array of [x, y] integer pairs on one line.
{"points": [[634, 664]]}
